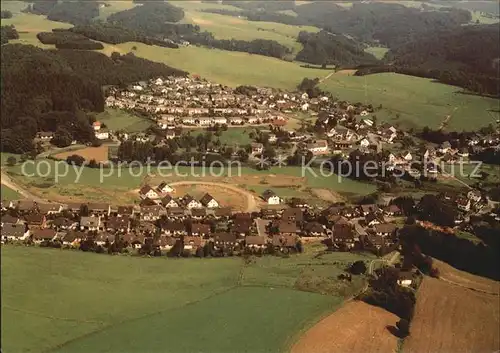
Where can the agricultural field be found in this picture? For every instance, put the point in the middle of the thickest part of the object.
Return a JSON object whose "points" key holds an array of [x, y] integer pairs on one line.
{"points": [[121, 120], [362, 320], [233, 136], [413, 101], [100, 154], [451, 318], [157, 301], [29, 25], [8, 194]]}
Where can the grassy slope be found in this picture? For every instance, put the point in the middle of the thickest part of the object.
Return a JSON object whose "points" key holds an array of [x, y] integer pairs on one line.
{"points": [[116, 119], [89, 302], [8, 194], [418, 101]]}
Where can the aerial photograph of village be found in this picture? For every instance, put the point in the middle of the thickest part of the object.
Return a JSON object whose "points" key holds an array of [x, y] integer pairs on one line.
{"points": [[250, 176]]}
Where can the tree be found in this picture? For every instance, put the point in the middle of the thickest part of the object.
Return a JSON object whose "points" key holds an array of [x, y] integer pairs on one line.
{"points": [[403, 327], [75, 159], [243, 156], [11, 161], [357, 268], [62, 138], [84, 210]]}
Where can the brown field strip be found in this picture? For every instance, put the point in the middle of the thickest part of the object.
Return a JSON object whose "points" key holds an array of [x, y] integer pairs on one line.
{"points": [[451, 274], [100, 154], [449, 318], [355, 328]]}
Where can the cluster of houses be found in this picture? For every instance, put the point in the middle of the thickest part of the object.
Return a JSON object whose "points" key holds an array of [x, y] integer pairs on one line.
{"points": [[278, 226]]}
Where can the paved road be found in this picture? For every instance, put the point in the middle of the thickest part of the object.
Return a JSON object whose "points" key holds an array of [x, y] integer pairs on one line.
{"points": [[251, 202]]}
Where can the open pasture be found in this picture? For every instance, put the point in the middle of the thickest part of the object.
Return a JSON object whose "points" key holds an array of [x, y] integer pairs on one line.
{"points": [[156, 302], [100, 154]]}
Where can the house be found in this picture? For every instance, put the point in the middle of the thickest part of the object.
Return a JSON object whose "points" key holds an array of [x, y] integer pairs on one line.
{"points": [[445, 147], [164, 188], [176, 213], [123, 211], [224, 212], [192, 243], [90, 223], [364, 143], [343, 236], [392, 210], [225, 240], [271, 198], [102, 134], [255, 242], [407, 156], [385, 229], [314, 229], [8, 219], [286, 227], [474, 195], [208, 201], [168, 201], [73, 238], [463, 204], [99, 209], [49, 208], [372, 219], [151, 213], [148, 192], [199, 213], [120, 224], [173, 229], [369, 208], [318, 147], [24, 206], [63, 223], [40, 235], [190, 202], [292, 215], [257, 148], [405, 278], [165, 243], [200, 229], [35, 220], [282, 242], [14, 232], [45, 136]]}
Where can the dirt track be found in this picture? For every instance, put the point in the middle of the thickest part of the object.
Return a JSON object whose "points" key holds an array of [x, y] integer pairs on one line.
{"points": [[7, 181], [355, 328]]}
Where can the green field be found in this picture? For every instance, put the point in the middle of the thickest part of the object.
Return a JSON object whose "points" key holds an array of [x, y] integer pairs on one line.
{"points": [[377, 52], [418, 101], [117, 119], [233, 136], [8, 194], [70, 301]]}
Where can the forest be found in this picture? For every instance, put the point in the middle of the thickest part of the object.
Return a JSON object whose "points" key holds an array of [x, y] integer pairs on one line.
{"points": [[74, 12], [325, 48], [7, 33], [46, 90], [64, 39]]}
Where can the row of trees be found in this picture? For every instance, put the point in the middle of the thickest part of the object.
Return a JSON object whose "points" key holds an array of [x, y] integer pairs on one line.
{"points": [[68, 40], [7, 33], [75, 12]]}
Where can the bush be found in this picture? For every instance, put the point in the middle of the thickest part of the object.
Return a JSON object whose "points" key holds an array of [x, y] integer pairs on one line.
{"points": [[357, 268]]}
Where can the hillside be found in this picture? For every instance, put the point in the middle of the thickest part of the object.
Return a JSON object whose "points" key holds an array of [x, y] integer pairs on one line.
{"points": [[330, 49], [42, 90], [468, 57]]}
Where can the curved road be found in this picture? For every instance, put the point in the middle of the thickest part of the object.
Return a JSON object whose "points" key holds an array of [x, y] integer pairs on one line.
{"points": [[251, 202]]}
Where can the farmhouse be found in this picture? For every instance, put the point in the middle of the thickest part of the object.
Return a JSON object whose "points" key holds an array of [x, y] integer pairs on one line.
{"points": [[190, 202], [318, 147], [39, 235], [14, 232], [168, 201], [165, 188], [255, 242], [90, 223], [385, 229]]}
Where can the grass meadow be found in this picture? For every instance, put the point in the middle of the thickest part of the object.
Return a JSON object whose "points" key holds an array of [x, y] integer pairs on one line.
{"points": [[70, 301]]}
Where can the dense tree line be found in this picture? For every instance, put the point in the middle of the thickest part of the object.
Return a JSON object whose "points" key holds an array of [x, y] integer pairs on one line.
{"points": [[75, 12], [43, 90], [325, 48], [271, 6], [148, 18], [480, 259], [116, 34], [7, 33], [6, 14], [68, 40]]}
